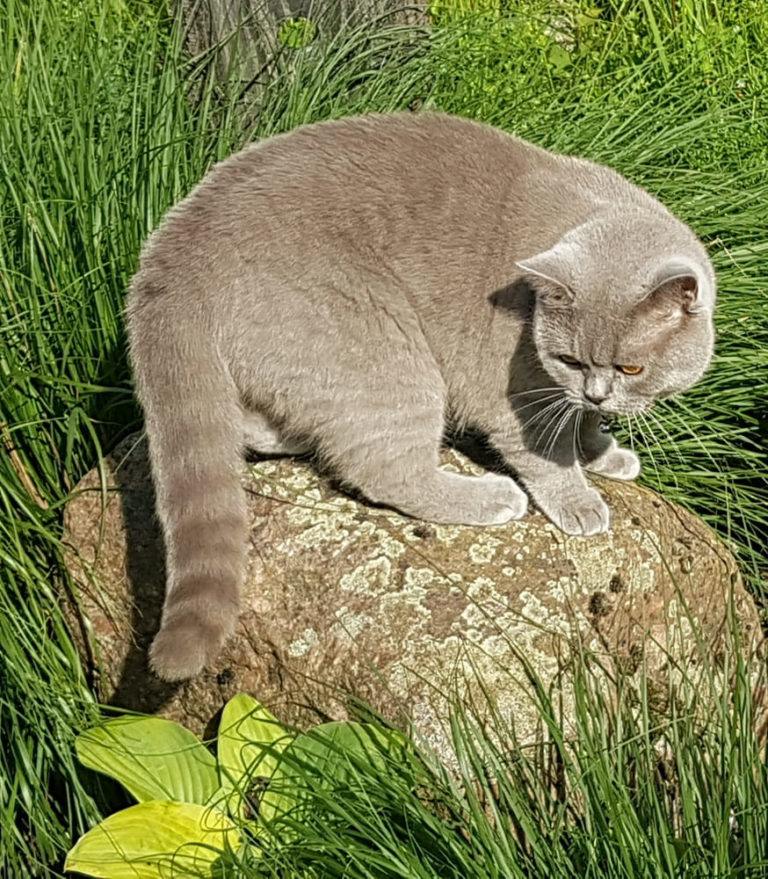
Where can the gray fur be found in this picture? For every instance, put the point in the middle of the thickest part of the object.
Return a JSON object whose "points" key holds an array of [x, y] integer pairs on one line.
{"points": [[356, 286]]}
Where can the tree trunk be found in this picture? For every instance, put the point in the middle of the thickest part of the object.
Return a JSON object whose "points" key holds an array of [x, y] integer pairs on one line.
{"points": [[244, 34]]}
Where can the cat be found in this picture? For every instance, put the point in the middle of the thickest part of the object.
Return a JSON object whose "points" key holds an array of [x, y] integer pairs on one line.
{"points": [[355, 287]]}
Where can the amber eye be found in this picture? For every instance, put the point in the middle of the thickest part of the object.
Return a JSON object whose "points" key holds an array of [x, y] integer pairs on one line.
{"points": [[571, 361], [630, 370]]}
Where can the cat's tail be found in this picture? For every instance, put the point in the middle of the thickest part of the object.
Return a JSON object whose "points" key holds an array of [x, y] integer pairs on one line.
{"points": [[194, 427]]}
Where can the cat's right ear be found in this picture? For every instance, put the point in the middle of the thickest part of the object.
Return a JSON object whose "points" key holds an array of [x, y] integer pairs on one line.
{"points": [[554, 266], [679, 288]]}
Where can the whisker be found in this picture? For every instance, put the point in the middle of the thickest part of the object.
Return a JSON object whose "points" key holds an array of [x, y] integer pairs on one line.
{"points": [[656, 442], [562, 423], [649, 449], [576, 429], [568, 421], [630, 419], [546, 417], [538, 402], [536, 391], [543, 413], [668, 435], [671, 470], [577, 434]]}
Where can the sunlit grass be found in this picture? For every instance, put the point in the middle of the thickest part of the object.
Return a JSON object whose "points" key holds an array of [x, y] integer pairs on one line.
{"points": [[617, 789]]}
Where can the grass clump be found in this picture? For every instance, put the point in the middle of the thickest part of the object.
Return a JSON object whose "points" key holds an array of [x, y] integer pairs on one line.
{"points": [[104, 124], [627, 792]]}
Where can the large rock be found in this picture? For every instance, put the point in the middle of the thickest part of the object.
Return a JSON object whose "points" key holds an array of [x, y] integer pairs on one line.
{"points": [[345, 600]]}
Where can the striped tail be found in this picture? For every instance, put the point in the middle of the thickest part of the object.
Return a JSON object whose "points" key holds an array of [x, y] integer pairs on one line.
{"points": [[194, 426]]}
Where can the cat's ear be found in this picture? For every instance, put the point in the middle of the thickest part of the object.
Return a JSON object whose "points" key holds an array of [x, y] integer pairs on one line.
{"points": [[556, 267], [678, 288]]}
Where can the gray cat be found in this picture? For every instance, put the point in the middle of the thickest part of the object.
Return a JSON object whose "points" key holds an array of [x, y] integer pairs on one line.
{"points": [[356, 287]]}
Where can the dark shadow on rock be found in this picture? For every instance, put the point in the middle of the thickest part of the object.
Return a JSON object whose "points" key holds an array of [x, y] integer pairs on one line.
{"points": [[138, 688], [473, 442]]}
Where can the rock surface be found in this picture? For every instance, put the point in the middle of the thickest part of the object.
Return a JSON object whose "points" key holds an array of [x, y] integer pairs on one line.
{"points": [[346, 599]]}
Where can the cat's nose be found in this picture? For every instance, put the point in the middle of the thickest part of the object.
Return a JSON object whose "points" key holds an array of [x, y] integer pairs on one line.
{"points": [[594, 397]]}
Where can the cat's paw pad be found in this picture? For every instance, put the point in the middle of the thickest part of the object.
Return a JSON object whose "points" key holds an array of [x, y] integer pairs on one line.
{"points": [[583, 514], [616, 464]]}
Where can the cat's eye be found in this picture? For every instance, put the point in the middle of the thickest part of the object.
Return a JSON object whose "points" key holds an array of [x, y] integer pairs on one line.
{"points": [[571, 361], [630, 370]]}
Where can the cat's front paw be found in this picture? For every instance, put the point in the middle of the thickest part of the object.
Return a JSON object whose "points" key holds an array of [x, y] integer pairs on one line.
{"points": [[502, 500], [581, 512], [616, 463]]}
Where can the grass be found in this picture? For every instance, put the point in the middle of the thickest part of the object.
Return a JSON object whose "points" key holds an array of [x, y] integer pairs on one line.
{"points": [[98, 137], [628, 796]]}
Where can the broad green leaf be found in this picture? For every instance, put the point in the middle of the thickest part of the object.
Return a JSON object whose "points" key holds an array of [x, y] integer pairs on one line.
{"points": [[249, 747], [559, 57], [154, 759], [155, 839], [328, 755]]}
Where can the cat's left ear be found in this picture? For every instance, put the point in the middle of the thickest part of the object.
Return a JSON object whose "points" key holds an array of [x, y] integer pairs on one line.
{"points": [[555, 266], [679, 287]]}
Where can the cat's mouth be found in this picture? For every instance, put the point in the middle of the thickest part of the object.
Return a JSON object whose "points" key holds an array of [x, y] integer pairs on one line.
{"points": [[613, 413], [608, 410], [609, 413]]}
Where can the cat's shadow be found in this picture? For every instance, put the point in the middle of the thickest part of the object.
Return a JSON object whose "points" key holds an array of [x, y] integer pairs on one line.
{"points": [[138, 688]]}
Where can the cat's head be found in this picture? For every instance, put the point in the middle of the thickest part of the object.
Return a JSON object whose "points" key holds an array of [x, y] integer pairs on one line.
{"points": [[623, 312]]}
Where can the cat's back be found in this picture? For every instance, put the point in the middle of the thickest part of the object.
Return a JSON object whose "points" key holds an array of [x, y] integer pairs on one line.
{"points": [[352, 174], [398, 185], [375, 151], [400, 153]]}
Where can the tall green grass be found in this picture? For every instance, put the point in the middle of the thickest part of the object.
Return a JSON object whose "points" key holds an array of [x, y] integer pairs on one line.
{"points": [[99, 135], [104, 125], [625, 794]]}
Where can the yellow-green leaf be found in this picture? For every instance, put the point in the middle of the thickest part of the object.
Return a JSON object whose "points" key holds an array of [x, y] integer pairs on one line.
{"points": [[297, 33], [327, 755], [249, 747], [589, 16], [559, 57], [155, 839], [154, 759]]}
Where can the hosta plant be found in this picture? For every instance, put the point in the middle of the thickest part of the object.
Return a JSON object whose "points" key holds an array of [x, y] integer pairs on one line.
{"points": [[196, 812]]}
